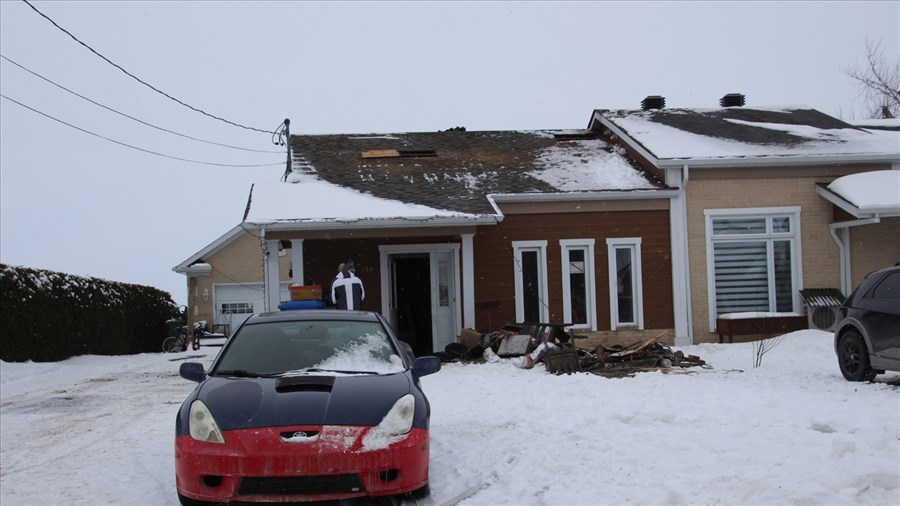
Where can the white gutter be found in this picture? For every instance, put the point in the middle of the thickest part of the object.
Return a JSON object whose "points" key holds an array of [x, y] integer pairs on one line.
{"points": [[343, 224], [642, 194], [844, 247]]}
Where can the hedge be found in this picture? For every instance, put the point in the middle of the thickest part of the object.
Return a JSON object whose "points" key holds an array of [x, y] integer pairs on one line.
{"points": [[50, 316]]}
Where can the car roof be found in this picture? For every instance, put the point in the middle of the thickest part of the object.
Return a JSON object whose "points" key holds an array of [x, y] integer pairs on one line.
{"points": [[312, 315]]}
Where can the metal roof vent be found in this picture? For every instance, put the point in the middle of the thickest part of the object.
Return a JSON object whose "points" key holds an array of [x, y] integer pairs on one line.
{"points": [[732, 100], [653, 102]]}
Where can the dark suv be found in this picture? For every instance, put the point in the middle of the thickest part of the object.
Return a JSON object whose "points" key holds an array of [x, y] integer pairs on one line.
{"points": [[867, 339]]}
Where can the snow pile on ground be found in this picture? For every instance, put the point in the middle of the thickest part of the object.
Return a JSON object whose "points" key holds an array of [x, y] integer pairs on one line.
{"points": [[99, 430]]}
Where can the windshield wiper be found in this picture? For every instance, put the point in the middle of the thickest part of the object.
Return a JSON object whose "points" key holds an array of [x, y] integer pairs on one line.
{"points": [[316, 369]]}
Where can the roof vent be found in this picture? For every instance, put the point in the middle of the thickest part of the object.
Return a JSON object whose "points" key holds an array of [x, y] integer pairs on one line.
{"points": [[732, 100], [653, 102]]}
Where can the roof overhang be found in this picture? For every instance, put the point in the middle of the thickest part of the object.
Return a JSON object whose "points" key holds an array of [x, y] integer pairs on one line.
{"points": [[852, 209], [746, 161], [583, 196], [187, 267], [380, 223]]}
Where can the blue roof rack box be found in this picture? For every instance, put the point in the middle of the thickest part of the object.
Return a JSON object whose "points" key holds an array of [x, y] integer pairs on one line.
{"points": [[301, 304]]}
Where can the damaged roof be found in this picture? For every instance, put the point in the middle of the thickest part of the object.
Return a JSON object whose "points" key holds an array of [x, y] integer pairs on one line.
{"points": [[406, 175], [754, 135]]}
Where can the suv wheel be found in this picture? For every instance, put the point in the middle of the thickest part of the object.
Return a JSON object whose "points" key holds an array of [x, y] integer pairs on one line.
{"points": [[853, 358]]}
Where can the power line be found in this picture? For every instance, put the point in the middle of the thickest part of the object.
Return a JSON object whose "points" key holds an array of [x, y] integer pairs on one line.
{"points": [[129, 145], [89, 48], [131, 117]]}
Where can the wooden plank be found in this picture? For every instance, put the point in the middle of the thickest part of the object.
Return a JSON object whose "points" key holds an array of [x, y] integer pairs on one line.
{"points": [[381, 153]]}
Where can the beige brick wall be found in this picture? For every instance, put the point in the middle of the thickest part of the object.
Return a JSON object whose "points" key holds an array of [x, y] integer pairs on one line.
{"points": [[240, 261], [784, 187], [874, 247]]}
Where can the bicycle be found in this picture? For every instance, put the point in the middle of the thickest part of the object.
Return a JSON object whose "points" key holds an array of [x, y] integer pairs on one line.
{"points": [[173, 344]]}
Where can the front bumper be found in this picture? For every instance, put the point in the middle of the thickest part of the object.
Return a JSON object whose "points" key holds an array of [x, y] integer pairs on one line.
{"points": [[301, 463]]}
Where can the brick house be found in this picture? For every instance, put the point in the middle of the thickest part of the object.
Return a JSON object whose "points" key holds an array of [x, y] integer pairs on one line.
{"points": [[453, 230], [755, 221], [651, 222]]}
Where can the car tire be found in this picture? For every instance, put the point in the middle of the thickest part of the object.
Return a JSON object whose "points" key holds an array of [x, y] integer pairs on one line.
{"points": [[853, 358]]}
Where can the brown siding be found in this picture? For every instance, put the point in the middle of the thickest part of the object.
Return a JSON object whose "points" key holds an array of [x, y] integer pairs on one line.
{"points": [[494, 270]]}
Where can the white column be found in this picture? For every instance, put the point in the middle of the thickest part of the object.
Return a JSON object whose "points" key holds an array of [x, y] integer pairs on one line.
{"points": [[272, 280], [297, 260], [468, 281], [681, 290]]}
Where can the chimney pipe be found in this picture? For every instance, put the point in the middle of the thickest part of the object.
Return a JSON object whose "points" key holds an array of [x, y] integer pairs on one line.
{"points": [[653, 102], [732, 100]]}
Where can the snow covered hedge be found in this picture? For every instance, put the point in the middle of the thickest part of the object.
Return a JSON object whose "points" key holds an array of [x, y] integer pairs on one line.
{"points": [[50, 316]]}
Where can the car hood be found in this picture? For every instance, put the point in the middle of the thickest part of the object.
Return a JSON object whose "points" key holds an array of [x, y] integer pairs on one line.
{"points": [[237, 403]]}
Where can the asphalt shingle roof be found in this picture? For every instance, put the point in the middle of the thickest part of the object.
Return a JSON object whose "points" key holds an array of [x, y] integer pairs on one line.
{"points": [[465, 167]]}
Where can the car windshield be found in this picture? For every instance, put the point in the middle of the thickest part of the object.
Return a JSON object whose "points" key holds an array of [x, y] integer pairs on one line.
{"points": [[299, 347]]}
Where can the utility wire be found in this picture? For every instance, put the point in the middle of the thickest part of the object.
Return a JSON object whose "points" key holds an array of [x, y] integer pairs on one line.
{"points": [[132, 117], [129, 145], [141, 81]]}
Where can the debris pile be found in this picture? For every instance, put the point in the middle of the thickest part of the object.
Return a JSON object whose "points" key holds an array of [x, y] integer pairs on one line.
{"points": [[527, 344]]}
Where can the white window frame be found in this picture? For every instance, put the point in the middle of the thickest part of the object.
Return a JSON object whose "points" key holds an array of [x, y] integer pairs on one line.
{"points": [[634, 244], [565, 245], [540, 247], [795, 235]]}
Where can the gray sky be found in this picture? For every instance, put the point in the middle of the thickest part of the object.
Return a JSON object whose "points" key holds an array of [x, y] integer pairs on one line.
{"points": [[76, 203]]}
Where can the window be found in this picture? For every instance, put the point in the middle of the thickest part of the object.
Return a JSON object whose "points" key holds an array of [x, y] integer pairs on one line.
{"points": [[579, 294], [753, 258], [625, 283], [237, 308], [530, 264]]}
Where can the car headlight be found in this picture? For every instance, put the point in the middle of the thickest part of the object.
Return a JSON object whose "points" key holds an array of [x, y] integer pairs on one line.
{"points": [[397, 422], [202, 424]]}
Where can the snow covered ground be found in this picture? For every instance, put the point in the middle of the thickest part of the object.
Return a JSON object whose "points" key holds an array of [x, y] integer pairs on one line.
{"points": [[99, 430]]}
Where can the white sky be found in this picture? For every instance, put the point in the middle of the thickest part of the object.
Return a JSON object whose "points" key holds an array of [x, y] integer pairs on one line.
{"points": [[79, 204], [791, 431]]}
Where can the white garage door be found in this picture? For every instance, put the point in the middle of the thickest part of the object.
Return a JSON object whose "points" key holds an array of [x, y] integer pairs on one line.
{"points": [[235, 303]]}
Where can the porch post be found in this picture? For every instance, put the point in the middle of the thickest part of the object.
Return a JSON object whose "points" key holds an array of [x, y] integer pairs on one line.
{"points": [[272, 275], [297, 261], [468, 282], [681, 288]]}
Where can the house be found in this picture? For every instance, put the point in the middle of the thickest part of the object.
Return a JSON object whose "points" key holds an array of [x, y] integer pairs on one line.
{"points": [[771, 201], [451, 230], [650, 223]]}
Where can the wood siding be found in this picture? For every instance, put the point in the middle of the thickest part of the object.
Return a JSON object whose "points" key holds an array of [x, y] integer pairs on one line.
{"points": [[494, 273]]}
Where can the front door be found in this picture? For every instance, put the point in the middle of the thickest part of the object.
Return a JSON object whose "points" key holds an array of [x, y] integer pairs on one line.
{"points": [[419, 294]]}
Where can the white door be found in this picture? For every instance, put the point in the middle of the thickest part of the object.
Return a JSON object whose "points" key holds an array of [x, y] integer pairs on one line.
{"points": [[443, 299], [233, 304]]}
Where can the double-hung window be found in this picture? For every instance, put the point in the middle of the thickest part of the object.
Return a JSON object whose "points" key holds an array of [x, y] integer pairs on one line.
{"points": [[753, 260]]}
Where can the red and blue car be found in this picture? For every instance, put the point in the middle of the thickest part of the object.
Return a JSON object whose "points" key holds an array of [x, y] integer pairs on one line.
{"points": [[313, 405]]}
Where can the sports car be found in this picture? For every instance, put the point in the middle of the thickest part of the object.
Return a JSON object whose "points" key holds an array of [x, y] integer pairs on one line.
{"points": [[309, 405]]}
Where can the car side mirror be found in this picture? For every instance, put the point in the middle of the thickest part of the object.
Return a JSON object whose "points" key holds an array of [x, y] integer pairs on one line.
{"points": [[425, 366], [192, 371], [407, 349]]}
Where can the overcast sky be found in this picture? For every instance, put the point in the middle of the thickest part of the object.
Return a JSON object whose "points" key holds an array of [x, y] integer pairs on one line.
{"points": [[74, 202]]}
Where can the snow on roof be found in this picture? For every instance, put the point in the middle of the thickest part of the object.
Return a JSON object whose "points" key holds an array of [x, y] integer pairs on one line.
{"points": [[751, 133], [587, 164], [307, 198], [878, 189]]}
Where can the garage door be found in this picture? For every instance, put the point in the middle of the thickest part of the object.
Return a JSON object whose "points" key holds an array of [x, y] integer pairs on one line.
{"points": [[235, 303]]}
